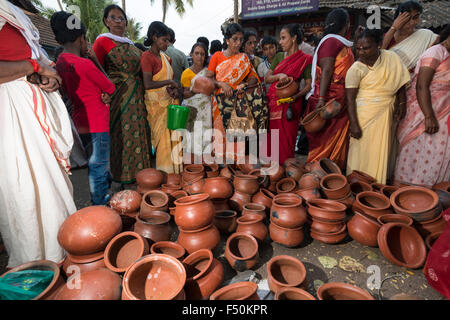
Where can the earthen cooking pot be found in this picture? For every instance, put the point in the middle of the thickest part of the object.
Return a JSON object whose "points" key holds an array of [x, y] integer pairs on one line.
{"points": [[246, 184], [286, 185], [212, 170], [193, 186], [96, 261], [254, 208], [238, 200], [155, 227], [286, 89], [154, 200], [168, 247], [287, 211], [149, 178], [263, 180], [295, 172], [286, 237], [335, 186], [397, 218], [326, 226], [205, 238], [388, 190], [363, 229], [228, 171], [357, 175], [245, 290], [418, 202], [194, 212], [173, 179], [328, 166], [225, 221], [288, 293], [218, 188], [265, 198], [372, 203], [193, 171], [309, 194], [221, 204], [252, 224], [330, 238], [203, 85], [342, 291], [313, 122], [126, 201], [327, 210], [360, 186], [285, 271], [170, 188], [241, 251], [309, 181]]}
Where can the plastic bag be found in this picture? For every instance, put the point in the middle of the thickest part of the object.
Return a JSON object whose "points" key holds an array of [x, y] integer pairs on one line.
{"points": [[24, 285]]}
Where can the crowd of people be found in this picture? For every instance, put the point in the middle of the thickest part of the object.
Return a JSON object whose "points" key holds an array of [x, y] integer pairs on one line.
{"points": [[392, 90]]}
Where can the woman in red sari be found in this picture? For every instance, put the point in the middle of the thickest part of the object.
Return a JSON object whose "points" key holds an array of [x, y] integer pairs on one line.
{"points": [[296, 64], [332, 59]]}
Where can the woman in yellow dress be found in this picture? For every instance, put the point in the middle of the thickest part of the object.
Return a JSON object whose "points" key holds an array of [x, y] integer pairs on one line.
{"points": [[160, 92], [375, 89]]}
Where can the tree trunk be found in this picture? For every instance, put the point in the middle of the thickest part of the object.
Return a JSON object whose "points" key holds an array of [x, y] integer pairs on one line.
{"points": [[60, 5], [124, 6], [236, 11], [165, 5]]}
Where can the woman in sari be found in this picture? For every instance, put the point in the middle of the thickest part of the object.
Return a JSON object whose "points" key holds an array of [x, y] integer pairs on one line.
{"points": [[423, 135], [160, 92], [297, 65], [375, 87], [36, 195], [130, 148]]}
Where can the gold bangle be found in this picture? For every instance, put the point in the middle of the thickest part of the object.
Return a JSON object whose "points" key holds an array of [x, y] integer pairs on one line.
{"points": [[402, 103]]}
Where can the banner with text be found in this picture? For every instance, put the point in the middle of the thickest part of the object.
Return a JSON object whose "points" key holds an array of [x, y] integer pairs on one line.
{"points": [[252, 9]]}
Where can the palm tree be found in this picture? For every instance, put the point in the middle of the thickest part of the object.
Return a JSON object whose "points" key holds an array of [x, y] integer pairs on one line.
{"points": [[43, 10], [134, 29], [124, 6], [179, 6]]}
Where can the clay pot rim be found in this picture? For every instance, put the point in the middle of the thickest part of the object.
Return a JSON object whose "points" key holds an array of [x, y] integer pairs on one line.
{"points": [[369, 219], [261, 207], [360, 183], [181, 229], [337, 233], [188, 168], [143, 249], [160, 192], [245, 177], [250, 218], [241, 235], [286, 229], [174, 194], [310, 117], [171, 186], [329, 160], [394, 215], [397, 193], [345, 286], [300, 291], [192, 199], [192, 181], [218, 216], [168, 244], [284, 86], [219, 178], [221, 291], [430, 237], [198, 256], [295, 201], [86, 258], [376, 195], [316, 202], [364, 175], [333, 176], [266, 193], [163, 214], [283, 181], [427, 222], [280, 258]]}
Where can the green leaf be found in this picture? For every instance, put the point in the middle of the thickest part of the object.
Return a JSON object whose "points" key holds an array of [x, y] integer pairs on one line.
{"points": [[328, 262]]}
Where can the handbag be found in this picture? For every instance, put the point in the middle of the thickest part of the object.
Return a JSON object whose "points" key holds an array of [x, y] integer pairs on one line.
{"points": [[241, 118]]}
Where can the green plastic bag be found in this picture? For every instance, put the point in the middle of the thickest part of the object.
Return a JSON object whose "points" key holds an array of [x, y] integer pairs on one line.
{"points": [[24, 285]]}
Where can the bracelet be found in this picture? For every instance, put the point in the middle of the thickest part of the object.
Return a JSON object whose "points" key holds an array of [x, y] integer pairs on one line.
{"points": [[35, 64], [393, 28], [404, 102]]}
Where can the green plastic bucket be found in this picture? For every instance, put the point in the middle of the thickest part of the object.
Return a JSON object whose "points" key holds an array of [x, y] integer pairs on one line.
{"points": [[177, 117]]}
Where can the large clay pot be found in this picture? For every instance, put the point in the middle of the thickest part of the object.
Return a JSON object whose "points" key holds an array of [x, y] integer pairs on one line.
{"points": [[372, 203], [173, 179], [402, 245], [238, 200], [205, 238], [221, 204], [287, 88], [101, 284], [286, 185], [342, 291], [193, 171], [204, 274], [417, 202], [245, 290], [241, 251], [126, 201], [397, 218], [330, 238], [154, 200], [326, 210], [363, 229], [252, 224], [225, 221], [194, 186], [285, 271], [149, 178], [154, 277], [287, 211], [154, 228], [83, 263], [124, 249], [360, 186], [43, 265], [357, 176], [203, 85], [286, 237], [265, 198], [288, 293], [246, 184], [89, 230], [335, 186], [308, 194], [212, 170], [218, 188], [309, 181], [168, 247], [313, 122], [435, 225], [194, 212]]}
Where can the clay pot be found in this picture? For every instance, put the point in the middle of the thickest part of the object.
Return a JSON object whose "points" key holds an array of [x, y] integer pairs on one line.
{"points": [[363, 229], [263, 180], [357, 176], [43, 265], [204, 274], [288, 293], [372, 203], [249, 164], [194, 186], [218, 188], [173, 179], [264, 197], [359, 186], [238, 200], [276, 172], [194, 212], [252, 224], [431, 239], [287, 211], [286, 185], [444, 186], [435, 225], [309, 181], [168, 247], [285, 272], [193, 171], [347, 200], [101, 284], [417, 202], [335, 186], [245, 290], [313, 122], [87, 263], [397, 218], [330, 238], [444, 198], [309, 194], [212, 170], [287, 88], [155, 227], [241, 251], [402, 245], [221, 204], [326, 210], [330, 110], [173, 197], [329, 166], [205, 238], [326, 226], [228, 171], [388, 190], [89, 230], [154, 277], [149, 178], [286, 237], [126, 201], [246, 184], [203, 85], [123, 250], [155, 200], [342, 291], [225, 221], [377, 186], [169, 189], [128, 220], [254, 208], [295, 172]]}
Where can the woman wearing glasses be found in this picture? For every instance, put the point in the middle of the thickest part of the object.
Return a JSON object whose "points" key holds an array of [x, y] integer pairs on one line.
{"points": [[130, 151]]}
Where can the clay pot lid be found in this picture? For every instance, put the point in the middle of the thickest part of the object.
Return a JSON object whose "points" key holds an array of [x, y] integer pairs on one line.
{"points": [[326, 204], [248, 238], [197, 264], [86, 258], [225, 214], [244, 289], [126, 201], [155, 198], [414, 199], [286, 200], [395, 217], [168, 247], [333, 181], [378, 201], [190, 200], [291, 293], [154, 218], [278, 264], [325, 289]]}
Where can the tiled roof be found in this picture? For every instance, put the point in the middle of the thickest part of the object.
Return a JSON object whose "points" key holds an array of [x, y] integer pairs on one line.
{"points": [[47, 37]]}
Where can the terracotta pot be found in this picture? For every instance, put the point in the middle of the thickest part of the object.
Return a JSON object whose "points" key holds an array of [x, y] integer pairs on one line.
{"points": [[363, 229], [444, 198], [287, 211], [330, 238], [418, 202], [263, 180], [287, 88], [326, 210], [149, 178], [397, 218], [204, 274], [347, 200], [326, 226], [154, 277], [194, 186], [155, 227], [254, 208], [342, 291], [218, 188], [225, 221], [329, 166], [388, 190], [285, 271], [264, 197], [276, 172], [221, 204], [247, 164], [101, 284], [95, 262], [330, 110], [309, 194], [357, 176], [309, 181], [377, 186], [212, 170], [168, 247], [252, 224], [43, 265], [238, 200], [435, 225], [173, 197], [203, 85], [194, 212], [128, 220], [335, 186], [123, 250], [294, 161], [155, 200], [295, 172], [372, 203], [228, 171], [402, 245], [193, 171], [173, 179], [89, 230], [359, 186], [205, 238], [288, 293], [169, 189], [286, 185], [245, 290], [241, 251], [286, 237], [312, 122], [431, 239], [126, 201], [444, 186], [246, 184]]}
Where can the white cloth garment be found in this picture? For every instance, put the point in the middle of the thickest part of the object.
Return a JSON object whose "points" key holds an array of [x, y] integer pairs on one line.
{"points": [[116, 38]]}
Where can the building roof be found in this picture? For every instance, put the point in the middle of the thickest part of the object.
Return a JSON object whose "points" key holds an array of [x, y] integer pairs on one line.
{"points": [[47, 37]]}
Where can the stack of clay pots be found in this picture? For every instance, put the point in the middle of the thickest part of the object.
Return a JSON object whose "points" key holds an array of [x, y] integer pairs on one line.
{"points": [[336, 187], [193, 178], [245, 186], [328, 220]]}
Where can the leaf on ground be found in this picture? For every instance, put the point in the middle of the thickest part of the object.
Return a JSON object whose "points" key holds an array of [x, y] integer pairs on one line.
{"points": [[372, 255], [349, 264], [328, 262]]}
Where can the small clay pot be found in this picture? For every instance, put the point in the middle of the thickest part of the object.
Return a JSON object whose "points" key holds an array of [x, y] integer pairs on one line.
{"points": [[155, 227], [126, 201], [335, 186], [295, 172], [155, 200], [205, 238], [326, 226], [173, 179], [241, 251], [194, 212], [275, 171], [396, 218], [388, 190], [287, 237], [288, 293], [221, 204], [286, 185], [330, 238], [402, 245], [326, 210], [372, 203], [308, 194], [169, 248], [342, 291], [360, 186], [287, 211], [246, 184], [309, 181], [193, 171], [194, 186], [328, 166], [218, 188], [357, 175], [435, 225], [203, 85], [330, 110], [252, 224], [149, 178], [363, 229], [204, 274], [228, 171], [123, 250], [313, 122], [212, 170], [377, 186], [254, 208], [264, 180], [285, 271], [169, 189], [225, 221], [238, 200], [431, 239], [264, 197], [417, 202], [245, 290], [287, 88]]}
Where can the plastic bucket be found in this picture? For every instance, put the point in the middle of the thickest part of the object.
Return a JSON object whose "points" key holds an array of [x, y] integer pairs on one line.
{"points": [[177, 117]]}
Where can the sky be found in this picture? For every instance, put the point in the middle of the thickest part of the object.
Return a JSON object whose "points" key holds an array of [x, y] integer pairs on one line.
{"points": [[204, 19]]}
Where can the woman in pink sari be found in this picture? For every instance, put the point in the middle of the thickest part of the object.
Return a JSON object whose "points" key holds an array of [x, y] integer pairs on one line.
{"points": [[423, 134]]}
